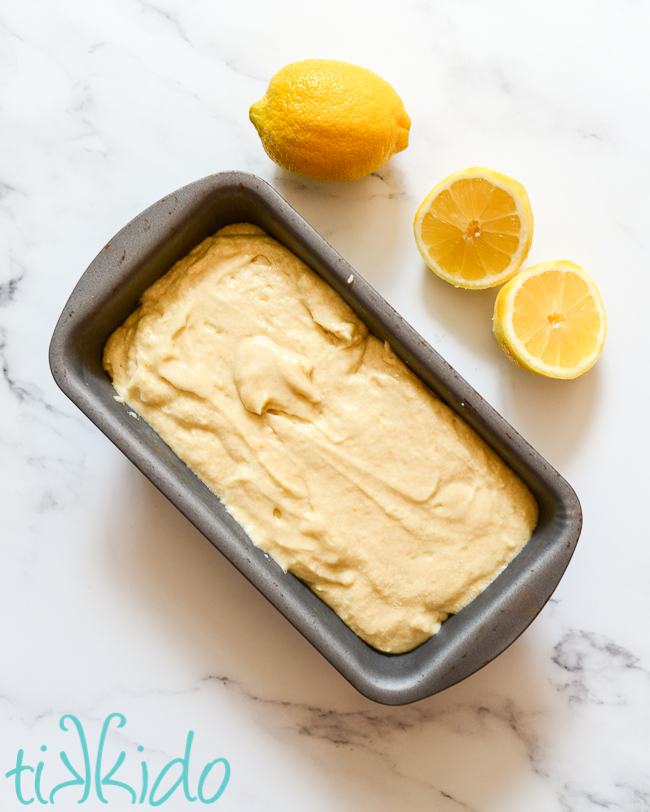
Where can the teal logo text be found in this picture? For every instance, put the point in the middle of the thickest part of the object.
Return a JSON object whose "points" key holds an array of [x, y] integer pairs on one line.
{"points": [[98, 774]]}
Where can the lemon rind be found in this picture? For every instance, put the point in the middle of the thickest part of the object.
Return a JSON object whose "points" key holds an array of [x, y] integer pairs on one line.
{"points": [[308, 145], [519, 195], [514, 348]]}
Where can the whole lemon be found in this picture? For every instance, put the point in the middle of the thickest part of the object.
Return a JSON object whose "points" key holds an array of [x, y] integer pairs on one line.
{"points": [[330, 120]]}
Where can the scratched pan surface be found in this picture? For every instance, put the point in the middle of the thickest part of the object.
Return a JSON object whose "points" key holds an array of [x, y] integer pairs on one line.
{"points": [[110, 290]]}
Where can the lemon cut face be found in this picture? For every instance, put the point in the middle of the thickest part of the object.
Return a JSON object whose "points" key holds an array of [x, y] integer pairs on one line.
{"points": [[330, 120], [475, 228], [550, 319]]}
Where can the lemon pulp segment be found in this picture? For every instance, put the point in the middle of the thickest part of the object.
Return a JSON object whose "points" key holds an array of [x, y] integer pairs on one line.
{"points": [[475, 228], [551, 320]]}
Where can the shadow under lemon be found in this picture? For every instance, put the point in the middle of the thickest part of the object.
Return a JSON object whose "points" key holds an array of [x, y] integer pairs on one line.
{"points": [[466, 314], [367, 220], [552, 415]]}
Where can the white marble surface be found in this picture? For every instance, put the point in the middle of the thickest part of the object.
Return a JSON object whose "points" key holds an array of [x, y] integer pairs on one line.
{"points": [[110, 602]]}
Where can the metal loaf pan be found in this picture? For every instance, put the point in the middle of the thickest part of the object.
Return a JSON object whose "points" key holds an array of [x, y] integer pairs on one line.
{"points": [[110, 290]]}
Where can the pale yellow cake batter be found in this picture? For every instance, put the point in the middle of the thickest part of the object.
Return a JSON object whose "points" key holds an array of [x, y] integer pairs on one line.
{"points": [[326, 448]]}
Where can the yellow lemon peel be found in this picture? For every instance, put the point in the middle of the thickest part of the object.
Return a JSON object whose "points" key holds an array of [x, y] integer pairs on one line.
{"points": [[550, 320], [330, 120], [475, 228]]}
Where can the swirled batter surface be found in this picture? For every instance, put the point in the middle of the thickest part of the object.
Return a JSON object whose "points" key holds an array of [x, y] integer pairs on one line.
{"points": [[326, 448]]}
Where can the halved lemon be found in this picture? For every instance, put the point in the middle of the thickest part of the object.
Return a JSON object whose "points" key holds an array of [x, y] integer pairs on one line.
{"points": [[550, 320], [475, 228]]}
